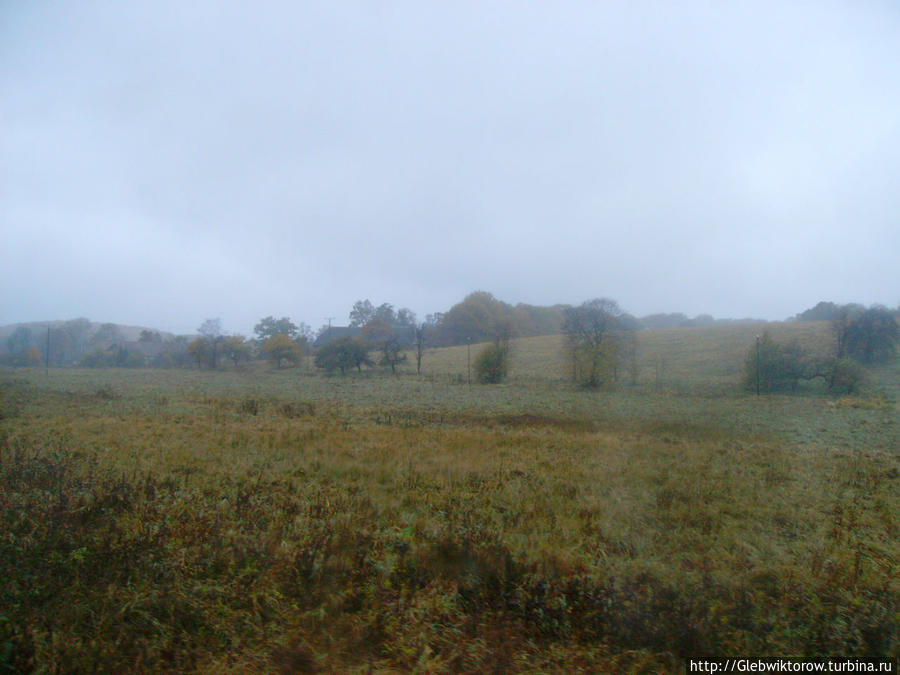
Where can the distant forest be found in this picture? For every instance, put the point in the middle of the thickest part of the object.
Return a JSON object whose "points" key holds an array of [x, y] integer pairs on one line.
{"points": [[478, 318]]}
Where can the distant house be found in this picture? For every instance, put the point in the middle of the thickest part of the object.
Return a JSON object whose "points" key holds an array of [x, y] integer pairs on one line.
{"points": [[335, 332]]}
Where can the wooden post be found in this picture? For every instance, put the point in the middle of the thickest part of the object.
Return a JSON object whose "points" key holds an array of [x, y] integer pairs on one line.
{"points": [[468, 362]]}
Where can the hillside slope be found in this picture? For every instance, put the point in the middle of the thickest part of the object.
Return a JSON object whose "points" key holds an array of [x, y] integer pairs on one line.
{"points": [[39, 328], [707, 356]]}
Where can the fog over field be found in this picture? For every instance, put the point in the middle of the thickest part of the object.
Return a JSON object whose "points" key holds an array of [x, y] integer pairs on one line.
{"points": [[165, 162]]}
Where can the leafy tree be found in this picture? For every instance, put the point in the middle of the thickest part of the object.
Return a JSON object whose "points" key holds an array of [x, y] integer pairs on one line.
{"points": [[846, 376], [77, 332], [530, 320], [342, 354], [113, 356], [32, 357], [149, 336], [383, 336], [392, 353], [869, 335], [595, 337], [492, 364], [359, 355], [106, 333], [823, 311], [405, 317], [476, 318], [503, 331], [280, 348], [236, 349], [96, 358], [376, 331], [202, 351], [334, 355], [782, 366], [59, 346], [211, 335], [778, 367], [305, 332], [20, 340], [174, 354], [840, 323], [385, 312], [126, 358], [270, 327], [363, 311]]}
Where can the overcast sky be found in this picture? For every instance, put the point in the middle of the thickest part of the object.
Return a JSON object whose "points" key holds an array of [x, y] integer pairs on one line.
{"points": [[165, 162]]}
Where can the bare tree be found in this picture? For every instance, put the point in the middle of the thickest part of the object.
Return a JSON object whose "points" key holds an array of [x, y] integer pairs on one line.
{"points": [[211, 328]]}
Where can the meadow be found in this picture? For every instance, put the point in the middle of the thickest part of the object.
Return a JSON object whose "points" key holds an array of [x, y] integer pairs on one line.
{"points": [[260, 520]]}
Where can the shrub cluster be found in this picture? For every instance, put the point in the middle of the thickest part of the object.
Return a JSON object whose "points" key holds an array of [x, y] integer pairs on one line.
{"points": [[772, 366], [113, 357], [492, 364]]}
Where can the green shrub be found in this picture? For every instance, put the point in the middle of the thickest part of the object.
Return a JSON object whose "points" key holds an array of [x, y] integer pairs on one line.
{"points": [[846, 377], [774, 366], [131, 359], [343, 353], [98, 358], [492, 364]]}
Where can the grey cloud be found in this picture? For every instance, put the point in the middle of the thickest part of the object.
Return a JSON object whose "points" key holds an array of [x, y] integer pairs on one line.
{"points": [[173, 161]]}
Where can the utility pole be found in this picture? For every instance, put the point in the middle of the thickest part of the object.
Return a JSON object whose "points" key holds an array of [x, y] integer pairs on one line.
{"points": [[47, 359], [468, 362]]}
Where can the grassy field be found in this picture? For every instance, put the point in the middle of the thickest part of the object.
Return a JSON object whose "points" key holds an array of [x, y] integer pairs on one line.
{"points": [[706, 358], [281, 521]]}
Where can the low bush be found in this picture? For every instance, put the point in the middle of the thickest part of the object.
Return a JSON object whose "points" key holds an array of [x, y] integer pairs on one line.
{"points": [[772, 366], [846, 377], [492, 364]]}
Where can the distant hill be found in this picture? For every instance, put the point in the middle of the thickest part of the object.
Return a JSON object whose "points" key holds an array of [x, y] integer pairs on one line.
{"points": [[687, 357], [69, 339], [128, 333]]}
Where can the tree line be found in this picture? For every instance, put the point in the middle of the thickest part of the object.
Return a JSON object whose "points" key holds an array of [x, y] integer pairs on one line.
{"points": [[860, 337], [600, 341], [81, 342]]}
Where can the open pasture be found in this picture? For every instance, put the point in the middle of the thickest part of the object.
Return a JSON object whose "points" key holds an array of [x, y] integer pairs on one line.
{"points": [[708, 358], [280, 521]]}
